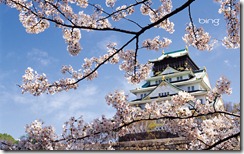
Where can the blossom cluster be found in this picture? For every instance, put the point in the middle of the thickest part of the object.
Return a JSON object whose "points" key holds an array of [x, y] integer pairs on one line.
{"points": [[34, 83], [110, 3], [182, 98], [122, 12], [220, 127], [134, 72], [83, 135], [72, 38], [156, 44], [145, 8], [94, 21], [231, 11], [198, 38], [157, 14], [38, 84], [33, 24], [38, 137], [82, 3], [142, 72], [222, 87], [205, 108]]}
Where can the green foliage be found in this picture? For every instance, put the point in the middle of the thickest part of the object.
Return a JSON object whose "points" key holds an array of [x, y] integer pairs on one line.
{"points": [[8, 138]]}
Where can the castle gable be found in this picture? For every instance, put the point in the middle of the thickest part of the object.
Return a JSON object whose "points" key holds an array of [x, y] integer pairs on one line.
{"points": [[164, 89], [169, 70]]}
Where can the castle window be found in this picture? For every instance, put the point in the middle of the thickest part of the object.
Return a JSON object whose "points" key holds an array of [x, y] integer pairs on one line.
{"points": [[192, 88], [179, 78], [163, 94], [158, 81], [141, 95], [189, 88]]}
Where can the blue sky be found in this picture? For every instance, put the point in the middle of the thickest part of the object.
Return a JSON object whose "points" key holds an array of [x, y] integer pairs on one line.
{"points": [[46, 53]]}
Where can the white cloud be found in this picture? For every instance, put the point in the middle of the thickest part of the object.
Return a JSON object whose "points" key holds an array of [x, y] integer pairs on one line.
{"points": [[71, 101], [228, 64], [4, 75], [5, 80], [217, 45], [41, 57], [87, 100]]}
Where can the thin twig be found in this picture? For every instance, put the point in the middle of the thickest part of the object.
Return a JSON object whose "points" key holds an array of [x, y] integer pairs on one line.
{"points": [[109, 15]]}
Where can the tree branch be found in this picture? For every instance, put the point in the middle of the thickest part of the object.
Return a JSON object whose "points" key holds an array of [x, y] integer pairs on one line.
{"points": [[137, 34], [110, 15], [76, 26], [150, 119], [192, 24], [222, 140], [177, 10], [136, 51]]}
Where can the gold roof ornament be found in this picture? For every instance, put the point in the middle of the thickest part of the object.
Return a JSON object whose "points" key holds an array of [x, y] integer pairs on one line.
{"points": [[181, 69], [186, 64], [163, 78], [204, 68], [162, 52], [162, 82], [186, 48], [157, 73]]}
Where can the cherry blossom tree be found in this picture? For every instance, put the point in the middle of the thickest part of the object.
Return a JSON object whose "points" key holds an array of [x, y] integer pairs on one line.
{"points": [[204, 125]]}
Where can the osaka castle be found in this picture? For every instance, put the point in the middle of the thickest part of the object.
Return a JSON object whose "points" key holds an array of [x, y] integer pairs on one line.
{"points": [[173, 72]]}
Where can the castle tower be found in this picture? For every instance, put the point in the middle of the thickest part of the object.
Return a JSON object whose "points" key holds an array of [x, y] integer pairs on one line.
{"points": [[173, 72]]}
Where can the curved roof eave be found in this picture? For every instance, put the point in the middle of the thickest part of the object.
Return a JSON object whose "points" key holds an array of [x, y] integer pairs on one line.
{"points": [[172, 54]]}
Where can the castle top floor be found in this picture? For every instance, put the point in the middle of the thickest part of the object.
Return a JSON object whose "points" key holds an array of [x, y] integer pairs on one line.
{"points": [[178, 60]]}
